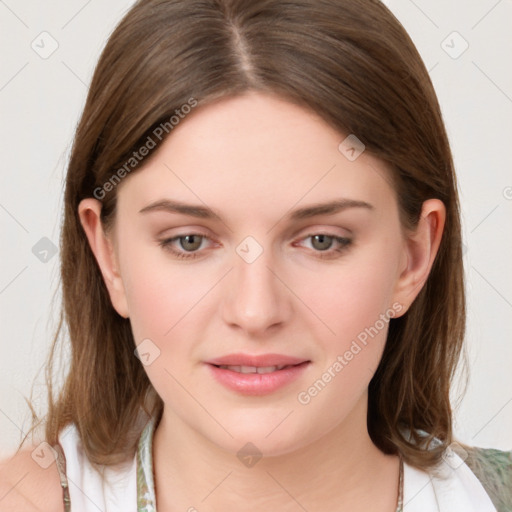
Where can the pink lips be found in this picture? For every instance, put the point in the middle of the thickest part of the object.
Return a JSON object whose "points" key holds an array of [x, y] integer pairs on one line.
{"points": [[254, 383]]}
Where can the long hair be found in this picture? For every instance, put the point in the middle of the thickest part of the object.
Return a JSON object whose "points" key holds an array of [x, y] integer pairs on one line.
{"points": [[349, 61]]}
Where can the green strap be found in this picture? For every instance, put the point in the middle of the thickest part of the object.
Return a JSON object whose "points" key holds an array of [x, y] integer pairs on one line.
{"points": [[494, 470], [146, 500]]}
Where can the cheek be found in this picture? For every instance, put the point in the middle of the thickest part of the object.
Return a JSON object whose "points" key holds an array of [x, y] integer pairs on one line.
{"points": [[353, 302], [355, 307], [350, 297], [161, 294], [164, 302], [152, 302]]}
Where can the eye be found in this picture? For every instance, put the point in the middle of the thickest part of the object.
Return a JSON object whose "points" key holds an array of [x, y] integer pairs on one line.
{"points": [[188, 245], [321, 243]]}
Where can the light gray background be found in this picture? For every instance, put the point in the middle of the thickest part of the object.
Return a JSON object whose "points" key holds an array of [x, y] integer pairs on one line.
{"points": [[40, 102]]}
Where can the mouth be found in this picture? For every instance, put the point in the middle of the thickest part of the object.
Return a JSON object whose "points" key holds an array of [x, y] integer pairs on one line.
{"points": [[260, 375], [256, 361], [253, 369]]}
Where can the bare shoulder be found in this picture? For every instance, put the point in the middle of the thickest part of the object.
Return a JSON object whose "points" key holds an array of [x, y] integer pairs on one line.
{"points": [[29, 484]]}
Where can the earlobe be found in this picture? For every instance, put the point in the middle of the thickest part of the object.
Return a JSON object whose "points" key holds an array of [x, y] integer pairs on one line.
{"points": [[89, 211], [420, 250]]}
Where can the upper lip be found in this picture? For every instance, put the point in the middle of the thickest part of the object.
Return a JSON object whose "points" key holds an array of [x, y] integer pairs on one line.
{"points": [[263, 360]]}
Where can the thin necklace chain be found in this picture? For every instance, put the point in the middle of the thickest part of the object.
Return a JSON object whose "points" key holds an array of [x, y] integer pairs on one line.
{"points": [[400, 502]]}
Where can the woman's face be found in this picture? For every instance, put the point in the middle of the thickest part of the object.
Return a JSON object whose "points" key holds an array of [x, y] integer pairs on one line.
{"points": [[269, 271]]}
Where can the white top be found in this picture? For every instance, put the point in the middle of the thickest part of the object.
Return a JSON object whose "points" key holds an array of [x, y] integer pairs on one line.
{"points": [[88, 491], [451, 487]]}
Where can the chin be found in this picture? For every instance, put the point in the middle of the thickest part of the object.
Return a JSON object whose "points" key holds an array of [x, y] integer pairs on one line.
{"points": [[270, 436]]}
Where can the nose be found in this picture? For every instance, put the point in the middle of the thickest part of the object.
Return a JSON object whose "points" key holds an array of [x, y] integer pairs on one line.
{"points": [[255, 299]]}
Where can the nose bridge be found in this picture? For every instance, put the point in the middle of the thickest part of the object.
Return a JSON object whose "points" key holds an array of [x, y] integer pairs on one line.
{"points": [[255, 298]]}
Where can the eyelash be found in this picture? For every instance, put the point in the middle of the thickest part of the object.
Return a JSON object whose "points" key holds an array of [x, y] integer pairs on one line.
{"points": [[343, 242]]}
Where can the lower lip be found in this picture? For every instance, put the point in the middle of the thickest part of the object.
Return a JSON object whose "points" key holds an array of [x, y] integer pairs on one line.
{"points": [[257, 383]]}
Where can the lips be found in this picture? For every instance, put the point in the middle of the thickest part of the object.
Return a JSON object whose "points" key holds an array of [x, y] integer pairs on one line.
{"points": [[256, 375], [258, 361]]}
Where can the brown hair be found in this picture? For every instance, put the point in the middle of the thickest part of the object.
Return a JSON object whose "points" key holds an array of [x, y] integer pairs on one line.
{"points": [[353, 64]]}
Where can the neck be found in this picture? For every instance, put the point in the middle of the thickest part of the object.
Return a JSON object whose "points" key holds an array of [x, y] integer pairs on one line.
{"points": [[342, 470]]}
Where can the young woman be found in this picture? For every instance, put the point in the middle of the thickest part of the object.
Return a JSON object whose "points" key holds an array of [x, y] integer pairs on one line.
{"points": [[262, 274]]}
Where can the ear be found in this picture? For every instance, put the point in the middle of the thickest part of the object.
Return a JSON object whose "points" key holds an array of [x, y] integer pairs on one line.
{"points": [[420, 249], [89, 211]]}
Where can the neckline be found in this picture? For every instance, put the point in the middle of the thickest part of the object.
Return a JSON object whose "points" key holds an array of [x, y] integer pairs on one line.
{"points": [[146, 497]]}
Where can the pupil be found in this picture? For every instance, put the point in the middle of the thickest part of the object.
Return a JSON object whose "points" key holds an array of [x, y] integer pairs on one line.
{"points": [[325, 241], [189, 240]]}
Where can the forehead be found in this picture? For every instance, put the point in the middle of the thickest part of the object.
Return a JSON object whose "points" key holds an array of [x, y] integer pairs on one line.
{"points": [[256, 154]]}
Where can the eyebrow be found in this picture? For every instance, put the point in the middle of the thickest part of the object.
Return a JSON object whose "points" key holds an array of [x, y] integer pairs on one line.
{"points": [[329, 208]]}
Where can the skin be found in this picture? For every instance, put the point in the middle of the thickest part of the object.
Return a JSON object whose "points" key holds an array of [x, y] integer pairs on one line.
{"points": [[253, 159]]}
